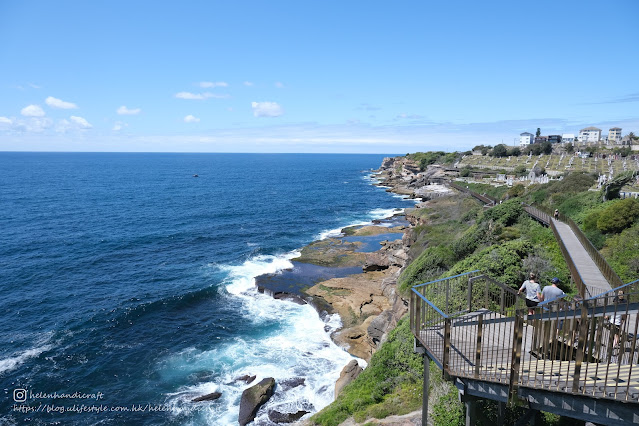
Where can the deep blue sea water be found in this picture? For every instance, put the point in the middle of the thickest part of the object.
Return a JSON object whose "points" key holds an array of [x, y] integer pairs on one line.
{"points": [[124, 276]]}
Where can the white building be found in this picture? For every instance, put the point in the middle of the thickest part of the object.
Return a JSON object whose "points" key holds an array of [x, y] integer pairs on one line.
{"points": [[614, 135], [526, 139], [568, 138], [589, 134]]}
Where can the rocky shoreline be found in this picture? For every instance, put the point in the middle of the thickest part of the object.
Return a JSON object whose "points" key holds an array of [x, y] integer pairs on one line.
{"points": [[355, 274]]}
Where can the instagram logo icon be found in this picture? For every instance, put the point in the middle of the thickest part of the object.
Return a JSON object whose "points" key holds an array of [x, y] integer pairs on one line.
{"points": [[19, 395]]}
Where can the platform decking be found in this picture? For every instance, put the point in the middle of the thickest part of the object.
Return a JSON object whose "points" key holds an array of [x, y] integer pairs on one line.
{"points": [[612, 373], [564, 357]]}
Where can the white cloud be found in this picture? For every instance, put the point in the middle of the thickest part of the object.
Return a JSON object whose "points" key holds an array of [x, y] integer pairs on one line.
{"points": [[58, 103], [80, 122], [191, 119], [33, 124], [5, 120], [119, 125], [248, 83], [266, 109], [210, 84], [279, 85], [200, 96], [32, 111], [123, 110]]}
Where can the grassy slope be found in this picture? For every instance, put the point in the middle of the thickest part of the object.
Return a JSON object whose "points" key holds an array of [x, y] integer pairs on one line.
{"points": [[457, 235]]}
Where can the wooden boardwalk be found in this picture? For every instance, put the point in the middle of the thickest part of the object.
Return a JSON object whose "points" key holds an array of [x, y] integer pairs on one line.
{"points": [[488, 357], [588, 270]]}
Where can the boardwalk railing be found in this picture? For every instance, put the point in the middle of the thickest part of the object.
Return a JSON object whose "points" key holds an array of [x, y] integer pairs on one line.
{"points": [[610, 275], [545, 217], [474, 327], [484, 198], [586, 348], [473, 311]]}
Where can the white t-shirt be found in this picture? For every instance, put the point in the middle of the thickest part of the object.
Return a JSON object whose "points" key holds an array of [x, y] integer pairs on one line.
{"points": [[532, 288]]}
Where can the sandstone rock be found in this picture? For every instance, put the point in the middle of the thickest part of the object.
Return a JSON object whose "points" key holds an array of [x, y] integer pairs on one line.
{"points": [[376, 261], [253, 398], [277, 417], [348, 374], [379, 327], [208, 397]]}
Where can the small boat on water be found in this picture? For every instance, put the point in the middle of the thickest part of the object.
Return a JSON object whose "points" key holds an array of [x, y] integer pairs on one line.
{"points": [[196, 176]]}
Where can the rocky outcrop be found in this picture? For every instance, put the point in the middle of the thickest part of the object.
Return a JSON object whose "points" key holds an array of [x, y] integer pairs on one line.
{"points": [[278, 417], [348, 374], [358, 299], [254, 398], [292, 383], [247, 378], [208, 397]]}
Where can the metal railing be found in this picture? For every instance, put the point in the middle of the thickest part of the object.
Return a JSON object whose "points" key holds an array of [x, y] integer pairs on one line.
{"points": [[465, 324], [583, 347], [475, 327], [608, 273], [546, 218], [484, 198]]}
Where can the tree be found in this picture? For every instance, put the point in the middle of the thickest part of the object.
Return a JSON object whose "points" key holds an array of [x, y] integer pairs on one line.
{"points": [[570, 148], [618, 216], [500, 151], [515, 152], [538, 132]]}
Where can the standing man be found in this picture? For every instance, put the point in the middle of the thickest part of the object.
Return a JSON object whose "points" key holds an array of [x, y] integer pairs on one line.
{"points": [[533, 292], [552, 292]]}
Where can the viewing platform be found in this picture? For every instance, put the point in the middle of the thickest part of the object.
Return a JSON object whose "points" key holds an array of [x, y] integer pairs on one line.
{"points": [[563, 359]]}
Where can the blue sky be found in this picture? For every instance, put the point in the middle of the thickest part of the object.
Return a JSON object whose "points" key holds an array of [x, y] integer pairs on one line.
{"points": [[297, 76]]}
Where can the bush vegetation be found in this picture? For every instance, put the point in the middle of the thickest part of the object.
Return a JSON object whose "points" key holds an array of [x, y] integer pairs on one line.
{"points": [[456, 235]]}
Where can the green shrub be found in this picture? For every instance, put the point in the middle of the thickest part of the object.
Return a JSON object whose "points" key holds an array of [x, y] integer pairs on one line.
{"points": [[502, 262], [622, 252], [448, 411], [468, 242], [430, 264], [618, 216], [506, 213], [516, 191], [394, 370]]}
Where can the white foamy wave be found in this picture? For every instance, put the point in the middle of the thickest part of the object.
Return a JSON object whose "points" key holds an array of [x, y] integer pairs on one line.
{"points": [[375, 214], [241, 278], [300, 350], [14, 361], [331, 233], [384, 213]]}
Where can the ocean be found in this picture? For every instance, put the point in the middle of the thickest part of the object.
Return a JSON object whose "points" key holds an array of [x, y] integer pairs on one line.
{"points": [[128, 283]]}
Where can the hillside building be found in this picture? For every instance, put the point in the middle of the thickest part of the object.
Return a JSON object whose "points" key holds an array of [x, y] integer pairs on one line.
{"points": [[614, 135], [568, 138], [526, 139], [589, 134]]}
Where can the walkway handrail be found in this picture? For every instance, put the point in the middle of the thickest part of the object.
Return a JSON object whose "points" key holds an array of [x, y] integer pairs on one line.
{"points": [[608, 273], [441, 310], [628, 288], [546, 217], [484, 198], [587, 348]]}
